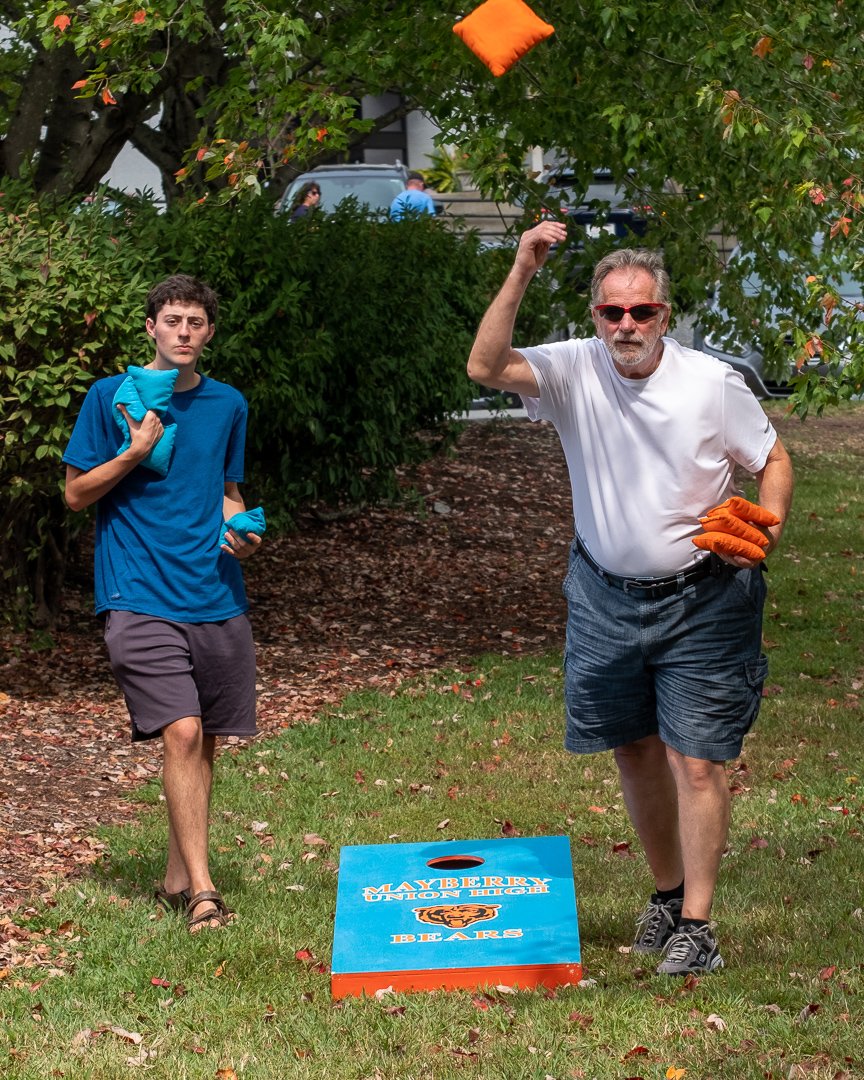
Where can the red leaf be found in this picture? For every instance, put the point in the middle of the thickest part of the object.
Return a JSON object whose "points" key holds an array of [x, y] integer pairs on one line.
{"points": [[582, 1019], [762, 47], [637, 1051], [155, 981], [827, 972], [139, 17], [62, 22], [108, 98]]}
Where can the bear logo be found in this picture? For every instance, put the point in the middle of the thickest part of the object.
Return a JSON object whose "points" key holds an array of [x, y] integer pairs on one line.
{"points": [[456, 916]]}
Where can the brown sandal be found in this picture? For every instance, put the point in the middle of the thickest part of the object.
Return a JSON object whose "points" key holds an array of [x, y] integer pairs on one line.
{"points": [[171, 901], [221, 915]]}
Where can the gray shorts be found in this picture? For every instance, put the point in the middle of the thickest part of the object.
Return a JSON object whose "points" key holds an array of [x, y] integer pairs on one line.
{"points": [[168, 670]]}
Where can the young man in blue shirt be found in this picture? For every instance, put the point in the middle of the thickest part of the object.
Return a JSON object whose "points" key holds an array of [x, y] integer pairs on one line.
{"points": [[168, 582]]}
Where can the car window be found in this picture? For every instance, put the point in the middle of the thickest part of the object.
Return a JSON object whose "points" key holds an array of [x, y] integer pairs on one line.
{"points": [[846, 284], [601, 188], [376, 192]]}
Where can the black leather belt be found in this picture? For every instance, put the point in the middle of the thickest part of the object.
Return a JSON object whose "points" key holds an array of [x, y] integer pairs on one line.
{"points": [[657, 588]]}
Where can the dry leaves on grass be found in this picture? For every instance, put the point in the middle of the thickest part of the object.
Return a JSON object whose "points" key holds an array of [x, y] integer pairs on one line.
{"points": [[362, 601]]}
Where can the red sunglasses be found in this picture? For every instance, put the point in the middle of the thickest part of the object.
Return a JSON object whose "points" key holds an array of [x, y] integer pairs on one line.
{"points": [[640, 313]]}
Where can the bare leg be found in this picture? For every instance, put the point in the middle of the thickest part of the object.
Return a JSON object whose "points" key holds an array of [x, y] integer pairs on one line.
{"points": [[187, 781], [176, 874], [704, 802], [651, 798]]}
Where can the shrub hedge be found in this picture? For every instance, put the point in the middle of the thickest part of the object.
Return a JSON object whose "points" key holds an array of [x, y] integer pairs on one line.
{"points": [[348, 336]]}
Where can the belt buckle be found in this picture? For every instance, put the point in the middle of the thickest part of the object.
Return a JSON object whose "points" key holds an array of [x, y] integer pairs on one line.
{"points": [[631, 584]]}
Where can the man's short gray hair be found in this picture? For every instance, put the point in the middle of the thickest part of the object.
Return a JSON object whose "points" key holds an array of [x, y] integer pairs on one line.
{"points": [[635, 259]]}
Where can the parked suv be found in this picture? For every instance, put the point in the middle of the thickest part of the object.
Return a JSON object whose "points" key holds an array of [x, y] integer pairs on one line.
{"points": [[744, 351], [602, 205], [373, 186]]}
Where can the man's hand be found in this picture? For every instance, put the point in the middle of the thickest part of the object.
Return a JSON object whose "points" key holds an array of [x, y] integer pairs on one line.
{"points": [[535, 244], [240, 548], [143, 434]]}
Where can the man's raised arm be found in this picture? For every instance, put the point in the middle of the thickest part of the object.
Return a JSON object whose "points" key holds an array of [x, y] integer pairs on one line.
{"points": [[493, 361]]}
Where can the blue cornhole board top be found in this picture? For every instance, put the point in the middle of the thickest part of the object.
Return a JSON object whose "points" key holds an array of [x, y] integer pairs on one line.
{"points": [[380, 885]]}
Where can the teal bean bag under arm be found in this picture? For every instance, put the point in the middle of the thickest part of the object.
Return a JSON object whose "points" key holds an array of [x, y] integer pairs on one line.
{"points": [[143, 389]]}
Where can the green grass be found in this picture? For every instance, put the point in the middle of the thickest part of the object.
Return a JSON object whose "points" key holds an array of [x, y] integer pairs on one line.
{"points": [[479, 748]]}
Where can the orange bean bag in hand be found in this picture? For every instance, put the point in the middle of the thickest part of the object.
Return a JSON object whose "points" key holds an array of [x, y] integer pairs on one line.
{"points": [[724, 544], [727, 531], [724, 522], [746, 511]]}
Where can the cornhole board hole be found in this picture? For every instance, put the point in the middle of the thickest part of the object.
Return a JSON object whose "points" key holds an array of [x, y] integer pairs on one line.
{"points": [[455, 915]]}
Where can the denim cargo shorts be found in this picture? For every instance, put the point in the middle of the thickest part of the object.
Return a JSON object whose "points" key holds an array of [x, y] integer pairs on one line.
{"points": [[687, 666]]}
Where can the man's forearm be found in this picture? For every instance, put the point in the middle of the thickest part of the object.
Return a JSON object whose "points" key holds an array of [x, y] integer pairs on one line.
{"points": [[85, 488], [232, 503], [776, 484], [490, 353]]}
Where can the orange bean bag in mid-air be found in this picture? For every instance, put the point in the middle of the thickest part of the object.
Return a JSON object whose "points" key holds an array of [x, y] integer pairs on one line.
{"points": [[500, 32]]}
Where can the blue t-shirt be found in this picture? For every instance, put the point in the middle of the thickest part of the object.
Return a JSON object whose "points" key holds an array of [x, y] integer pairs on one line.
{"points": [[411, 202], [157, 538]]}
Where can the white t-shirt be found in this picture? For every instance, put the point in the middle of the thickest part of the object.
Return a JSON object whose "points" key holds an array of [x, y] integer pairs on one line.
{"points": [[647, 457]]}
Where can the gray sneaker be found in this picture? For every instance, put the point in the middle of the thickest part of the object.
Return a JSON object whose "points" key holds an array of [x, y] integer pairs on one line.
{"points": [[656, 925], [691, 952]]}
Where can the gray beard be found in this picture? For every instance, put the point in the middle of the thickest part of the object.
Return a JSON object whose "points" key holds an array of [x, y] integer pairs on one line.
{"points": [[630, 359]]}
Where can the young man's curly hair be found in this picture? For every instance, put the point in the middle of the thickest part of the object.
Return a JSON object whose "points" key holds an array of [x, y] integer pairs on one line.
{"points": [[182, 289]]}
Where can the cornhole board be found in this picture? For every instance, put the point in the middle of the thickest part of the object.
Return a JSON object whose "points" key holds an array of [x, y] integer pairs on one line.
{"points": [[455, 915]]}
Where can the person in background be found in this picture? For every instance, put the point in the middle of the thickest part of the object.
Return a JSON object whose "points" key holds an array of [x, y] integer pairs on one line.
{"points": [[413, 201], [308, 198], [663, 663]]}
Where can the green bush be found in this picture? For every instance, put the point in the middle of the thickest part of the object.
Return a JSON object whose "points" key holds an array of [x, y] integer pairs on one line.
{"points": [[71, 289], [348, 336]]}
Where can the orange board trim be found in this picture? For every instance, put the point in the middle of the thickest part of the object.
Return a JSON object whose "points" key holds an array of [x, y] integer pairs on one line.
{"points": [[521, 976]]}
